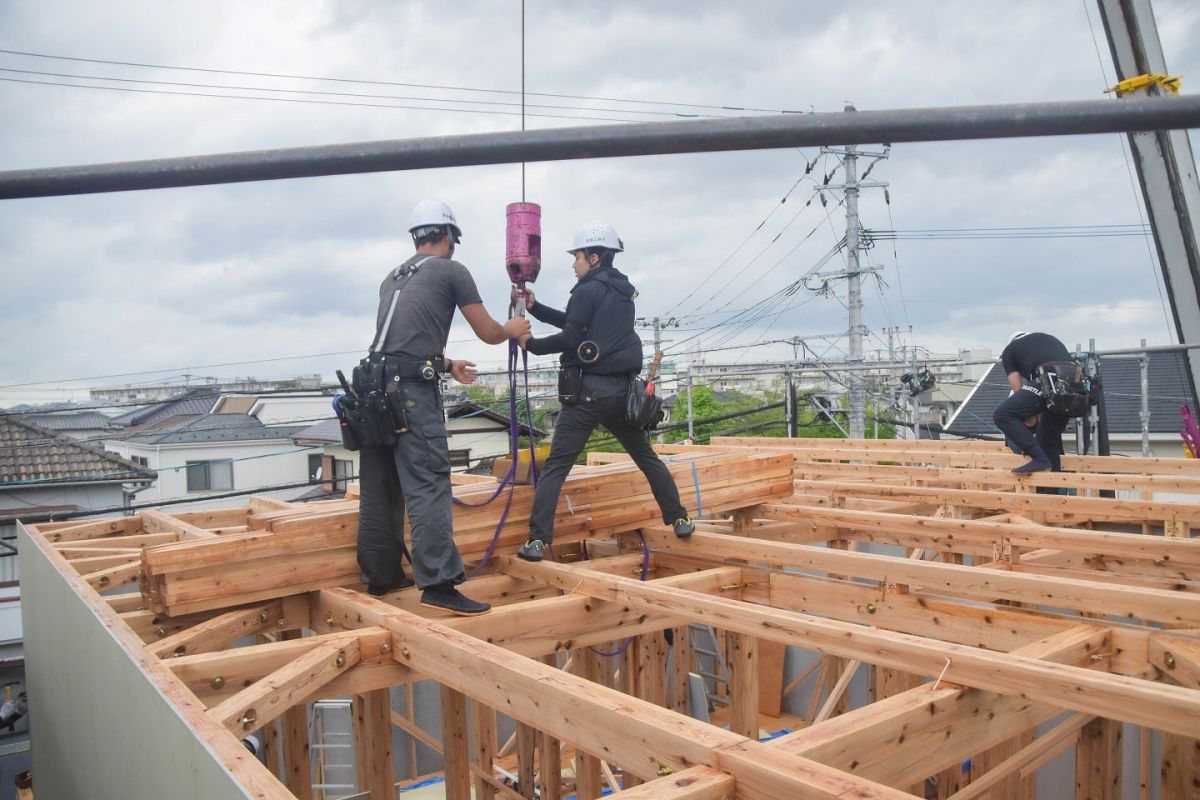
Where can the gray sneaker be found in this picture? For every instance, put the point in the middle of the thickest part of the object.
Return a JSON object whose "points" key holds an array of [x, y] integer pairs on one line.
{"points": [[532, 550], [683, 527]]}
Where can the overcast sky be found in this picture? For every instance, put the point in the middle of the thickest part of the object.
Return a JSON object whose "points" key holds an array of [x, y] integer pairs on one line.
{"points": [[178, 281]]}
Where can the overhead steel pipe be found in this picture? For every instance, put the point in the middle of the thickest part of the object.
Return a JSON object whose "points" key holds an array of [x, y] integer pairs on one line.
{"points": [[610, 141]]}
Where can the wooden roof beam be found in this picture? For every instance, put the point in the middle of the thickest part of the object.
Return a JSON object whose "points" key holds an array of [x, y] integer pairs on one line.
{"points": [[259, 704], [947, 533], [641, 737], [1176, 608], [221, 631], [909, 736], [1155, 705]]}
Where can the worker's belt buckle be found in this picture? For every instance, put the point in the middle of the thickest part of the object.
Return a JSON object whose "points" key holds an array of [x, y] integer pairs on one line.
{"points": [[414, 369]]}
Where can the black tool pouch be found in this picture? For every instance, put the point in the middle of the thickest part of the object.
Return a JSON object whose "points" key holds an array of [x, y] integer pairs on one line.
{"points": [[1064, 387], [374, 425], [570, 385], [642, 411], [345, 409], [366, 418], [394, 395]]}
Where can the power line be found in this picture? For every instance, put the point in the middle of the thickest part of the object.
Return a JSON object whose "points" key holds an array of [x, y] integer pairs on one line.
{"points": [[155, 470], [736, 250], [276, 90], [177, 369], [55, 516], [370, 82], [130, 89]]}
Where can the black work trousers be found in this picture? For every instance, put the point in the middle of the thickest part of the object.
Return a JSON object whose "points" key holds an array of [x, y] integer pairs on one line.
{"points": [[1010, 418], [602, 406], [413, 474]]}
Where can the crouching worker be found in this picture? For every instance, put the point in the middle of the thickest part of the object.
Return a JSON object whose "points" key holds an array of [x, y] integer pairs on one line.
{"points": [[1029, 424], [601, 354]]}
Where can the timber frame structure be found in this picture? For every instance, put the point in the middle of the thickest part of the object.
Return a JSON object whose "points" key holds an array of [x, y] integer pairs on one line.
{"points": [[994, 624]]}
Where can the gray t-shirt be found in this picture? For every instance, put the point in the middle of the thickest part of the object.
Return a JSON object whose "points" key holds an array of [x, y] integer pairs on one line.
{"points": [[421, 323]]}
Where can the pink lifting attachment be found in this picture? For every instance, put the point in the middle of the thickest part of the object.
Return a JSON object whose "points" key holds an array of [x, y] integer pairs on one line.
{"points": [[523, 255]]}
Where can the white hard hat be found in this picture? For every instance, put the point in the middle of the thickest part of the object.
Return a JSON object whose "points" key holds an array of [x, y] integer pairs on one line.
{"points": [[597, 234], [1017, 335], [433, 214]]}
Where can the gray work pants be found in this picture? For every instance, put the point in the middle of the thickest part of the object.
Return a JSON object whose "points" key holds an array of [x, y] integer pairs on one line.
{"points": [[413, 474]]}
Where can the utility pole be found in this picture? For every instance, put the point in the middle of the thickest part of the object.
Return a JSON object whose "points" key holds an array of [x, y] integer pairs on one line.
{"points": [[854, 294], [691, 428], [789, 404], [853, 274], [657, 324]]}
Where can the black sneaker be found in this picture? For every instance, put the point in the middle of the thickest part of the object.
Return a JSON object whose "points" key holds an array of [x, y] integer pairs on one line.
{"points": [[532, 550], [683, 527], [447, 597], [377, 590]]}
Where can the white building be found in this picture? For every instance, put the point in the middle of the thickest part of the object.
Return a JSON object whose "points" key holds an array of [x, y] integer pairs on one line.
{"points": [[212, 455], [474, 434]]}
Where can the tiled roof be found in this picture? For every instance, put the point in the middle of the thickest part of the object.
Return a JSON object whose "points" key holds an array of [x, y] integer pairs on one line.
{"points": [[326, 431], [74, 421], [470, 409], [1122, 380], [28, 453], [193, 402], [214, 428]]}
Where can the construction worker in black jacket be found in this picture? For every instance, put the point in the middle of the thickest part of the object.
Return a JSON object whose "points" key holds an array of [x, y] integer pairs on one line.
{"points": [[601, 353], [1029, 426]]}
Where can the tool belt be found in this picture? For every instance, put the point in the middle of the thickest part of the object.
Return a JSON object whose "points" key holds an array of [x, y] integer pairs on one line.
{"points": [[1065, 388], [642, 410], [373, 412]]}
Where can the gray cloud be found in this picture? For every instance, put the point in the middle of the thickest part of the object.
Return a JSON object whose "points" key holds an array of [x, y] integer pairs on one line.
{"points": [[157, 280]]}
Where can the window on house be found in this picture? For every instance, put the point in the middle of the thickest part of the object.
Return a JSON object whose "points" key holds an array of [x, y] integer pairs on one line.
{"points": [[209, 476], [460, 458], [314, 466]]}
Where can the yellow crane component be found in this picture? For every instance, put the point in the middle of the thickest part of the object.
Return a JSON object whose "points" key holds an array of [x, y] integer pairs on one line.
{"points": [[1169, 82]]}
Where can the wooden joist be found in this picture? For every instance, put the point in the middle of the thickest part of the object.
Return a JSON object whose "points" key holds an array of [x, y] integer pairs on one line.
{"points": [[309, 551], [968, 660], [1165, 707]]}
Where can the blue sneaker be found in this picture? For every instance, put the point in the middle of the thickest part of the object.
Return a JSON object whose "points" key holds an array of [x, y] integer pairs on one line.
{"points": [[447, 597]]}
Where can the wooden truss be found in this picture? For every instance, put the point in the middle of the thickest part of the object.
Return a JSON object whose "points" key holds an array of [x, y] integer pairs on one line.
{"points": [[994, 624]]}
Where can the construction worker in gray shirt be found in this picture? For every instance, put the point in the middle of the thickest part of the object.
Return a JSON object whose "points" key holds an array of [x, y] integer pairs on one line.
{"points": [[416, 305]]}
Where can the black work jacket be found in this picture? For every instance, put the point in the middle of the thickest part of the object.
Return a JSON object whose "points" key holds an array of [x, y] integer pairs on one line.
{"points": [[600, 310]]}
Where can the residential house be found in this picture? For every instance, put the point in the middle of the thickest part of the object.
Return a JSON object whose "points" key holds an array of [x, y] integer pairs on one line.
{"points": [[292, 408], [475, 433], [214, 455], [191, 403], [89, 426], [43, 473]]}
